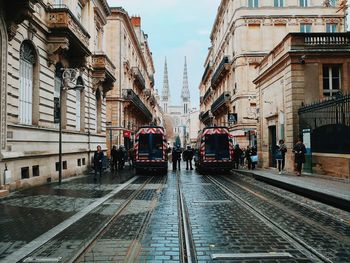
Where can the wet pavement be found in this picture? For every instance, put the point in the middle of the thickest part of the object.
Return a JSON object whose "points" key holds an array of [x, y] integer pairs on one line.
{"points": [[124, 218]]}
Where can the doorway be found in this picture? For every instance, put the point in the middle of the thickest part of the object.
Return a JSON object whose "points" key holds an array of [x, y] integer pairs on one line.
{"points": [[272, 146]]}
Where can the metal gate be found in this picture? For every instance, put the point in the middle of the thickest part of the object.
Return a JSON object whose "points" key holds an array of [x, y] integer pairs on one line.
{"points": [[329, 122]]}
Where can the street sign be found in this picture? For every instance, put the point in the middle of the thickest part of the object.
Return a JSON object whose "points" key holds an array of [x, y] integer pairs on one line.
{"points": [[232, 118]]}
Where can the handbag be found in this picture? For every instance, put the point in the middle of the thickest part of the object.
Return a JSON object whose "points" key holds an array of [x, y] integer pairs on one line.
{"points": [[254, 158]]}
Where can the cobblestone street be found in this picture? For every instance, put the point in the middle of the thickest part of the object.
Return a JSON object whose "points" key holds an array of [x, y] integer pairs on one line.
{"points": [[127, 218]]}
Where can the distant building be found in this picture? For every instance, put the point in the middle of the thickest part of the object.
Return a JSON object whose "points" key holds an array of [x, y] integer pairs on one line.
{"points": [[180, 114], [132, 102]]}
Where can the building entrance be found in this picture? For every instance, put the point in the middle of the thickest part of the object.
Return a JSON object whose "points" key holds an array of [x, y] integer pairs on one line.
{"points": [[272, 146]]}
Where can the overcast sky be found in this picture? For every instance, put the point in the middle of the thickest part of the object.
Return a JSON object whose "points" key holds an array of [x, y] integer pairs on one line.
{"points": [[176, 28]]}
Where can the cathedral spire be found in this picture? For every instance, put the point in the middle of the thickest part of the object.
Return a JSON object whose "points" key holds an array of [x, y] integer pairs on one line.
{"points": [[185, 93], [165, 91]]}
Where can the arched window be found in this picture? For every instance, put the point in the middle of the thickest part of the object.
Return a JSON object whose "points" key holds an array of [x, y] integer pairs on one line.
{"points": [[98, 111], [26, 71]]}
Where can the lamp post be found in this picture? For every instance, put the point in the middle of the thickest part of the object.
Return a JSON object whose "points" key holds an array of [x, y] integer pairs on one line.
{"points": [[71, 80]]}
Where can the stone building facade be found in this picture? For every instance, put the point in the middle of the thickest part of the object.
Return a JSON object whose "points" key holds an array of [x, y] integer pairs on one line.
{"points": [[39, 39], [303, 69], [132, 102], [243, 33]]}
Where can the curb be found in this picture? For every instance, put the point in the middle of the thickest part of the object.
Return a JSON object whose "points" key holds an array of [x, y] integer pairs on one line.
{"points": [[328, 199]]}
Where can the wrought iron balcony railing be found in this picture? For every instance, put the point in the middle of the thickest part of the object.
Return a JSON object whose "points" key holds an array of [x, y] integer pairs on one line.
{"points": [[207, 94], [205, 116], [220, 72], [207, 71], [221, 101], [138, 77], [130, 95]]}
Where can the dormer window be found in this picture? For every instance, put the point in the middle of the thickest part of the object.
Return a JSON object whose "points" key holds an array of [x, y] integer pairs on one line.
{"points": [[79, 10]]}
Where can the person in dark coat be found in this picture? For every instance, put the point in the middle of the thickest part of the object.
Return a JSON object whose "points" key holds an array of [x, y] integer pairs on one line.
{"points": [[188, 156], [121, 157], [237, 156], [251, 151], [176, 157], [98, 159], [114, 156], [299, 155], [281, 150]]}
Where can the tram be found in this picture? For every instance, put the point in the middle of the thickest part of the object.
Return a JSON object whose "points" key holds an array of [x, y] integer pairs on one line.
{"points": [[151, 150], [215, 150]]}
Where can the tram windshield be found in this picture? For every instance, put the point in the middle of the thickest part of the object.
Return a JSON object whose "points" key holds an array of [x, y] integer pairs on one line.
{"points": [[217, 144], [151, 144]]}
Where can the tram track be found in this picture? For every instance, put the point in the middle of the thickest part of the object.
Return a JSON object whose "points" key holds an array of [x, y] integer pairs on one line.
{"points": [[188, 253], [309, 251]]}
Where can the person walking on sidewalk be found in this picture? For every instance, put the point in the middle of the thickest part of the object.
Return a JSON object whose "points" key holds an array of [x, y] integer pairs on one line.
{"points": [[281, 150], [176, 157], [98, 159], [131, 155], [299, 151]]}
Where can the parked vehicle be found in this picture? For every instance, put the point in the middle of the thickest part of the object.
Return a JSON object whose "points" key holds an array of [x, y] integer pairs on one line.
{"points": [[215, 150], [151, 149]]}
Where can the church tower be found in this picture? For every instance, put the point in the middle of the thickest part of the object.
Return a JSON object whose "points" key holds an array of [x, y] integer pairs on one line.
{"points": [[165, 92], [185, 93]]}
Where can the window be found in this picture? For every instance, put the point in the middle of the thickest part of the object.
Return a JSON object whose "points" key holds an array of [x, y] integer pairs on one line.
{"points": [[58, 2], [253, 3], [79, 162], [24, 172], [83, 161], [35, 170], [64, 165], [278, 3], [27, 61], [331, 79], [79, 10], [57, 166], [78, 110], [305, 28], [331, 28], [303, 3], [332, 2]]}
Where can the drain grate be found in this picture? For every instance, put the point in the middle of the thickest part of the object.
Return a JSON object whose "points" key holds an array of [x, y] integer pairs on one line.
{"points": [[251, 256], [42, 260]]}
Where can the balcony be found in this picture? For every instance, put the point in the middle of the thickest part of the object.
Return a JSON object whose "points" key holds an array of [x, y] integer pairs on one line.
{"points": [[220, 72], [207, 71], [131, 96], [205, 116], [221, 102], [139, 79], [207, 94], [62, 23], [151, 78], [103, 70]]}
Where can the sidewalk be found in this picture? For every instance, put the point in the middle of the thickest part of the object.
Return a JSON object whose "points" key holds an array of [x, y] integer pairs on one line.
{"points": [[317, 187], [28, 215]]}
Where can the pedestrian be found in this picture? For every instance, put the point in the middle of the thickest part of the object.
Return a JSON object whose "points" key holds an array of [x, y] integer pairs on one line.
{"points": [[176, 157], [281, 150], [98, 159], [188, 156], [299, 155], [131, 155], [237, 156], [114, 157], [254, 156], [242, 161], [120, 157]]}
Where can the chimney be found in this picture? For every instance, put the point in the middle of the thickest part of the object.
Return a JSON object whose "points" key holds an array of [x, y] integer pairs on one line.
{"points": [[136, 21]]}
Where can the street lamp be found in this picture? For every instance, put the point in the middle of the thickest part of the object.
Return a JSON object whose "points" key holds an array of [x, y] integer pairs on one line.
{"points": [[71, 80]]}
